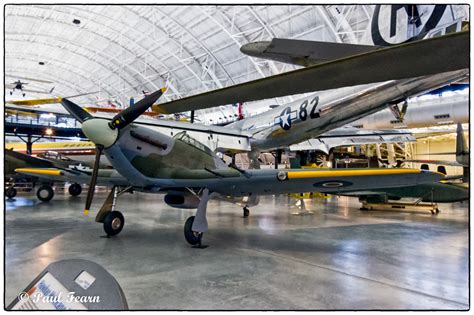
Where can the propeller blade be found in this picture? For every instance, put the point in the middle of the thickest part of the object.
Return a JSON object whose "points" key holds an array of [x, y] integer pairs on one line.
{"points": [[75, 110], [95, 173], [127, 116]]}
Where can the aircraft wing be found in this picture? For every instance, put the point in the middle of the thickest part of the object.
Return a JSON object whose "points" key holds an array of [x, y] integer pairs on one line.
{"points": [[436, 162], [349, 136], [439, 54], [106, 177], [303, 52], [271, 181]]}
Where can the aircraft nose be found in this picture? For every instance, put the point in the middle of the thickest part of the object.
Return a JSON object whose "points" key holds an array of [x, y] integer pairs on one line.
{"points": [[99, 132], [254, 49]]}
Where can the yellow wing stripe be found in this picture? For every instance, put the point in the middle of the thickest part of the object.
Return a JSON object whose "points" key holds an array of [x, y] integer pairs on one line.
{"points": [[52, 145], [39, 171], [315, 174], [37, 101]]}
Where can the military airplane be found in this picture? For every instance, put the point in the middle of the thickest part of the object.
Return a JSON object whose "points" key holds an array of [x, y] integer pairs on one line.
{"points": [[189, 173], [20, 86], [447, 190], [48, 168], [169, 157]]}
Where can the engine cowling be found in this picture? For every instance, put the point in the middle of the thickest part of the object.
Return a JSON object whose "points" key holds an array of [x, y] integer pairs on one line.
{"points": [[181, 200]]}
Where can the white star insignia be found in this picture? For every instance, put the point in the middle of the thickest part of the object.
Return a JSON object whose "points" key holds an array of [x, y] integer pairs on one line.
{"points": [[286, 120]]}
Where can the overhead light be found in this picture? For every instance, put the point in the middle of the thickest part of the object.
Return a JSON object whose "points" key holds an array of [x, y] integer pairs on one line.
{"points": [[76, 21], [49, 132]]}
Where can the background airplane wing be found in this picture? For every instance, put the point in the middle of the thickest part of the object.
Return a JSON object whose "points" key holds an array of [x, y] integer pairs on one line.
{"points": [[349, 136], [426, 57], [303, 52], [106, 177]]}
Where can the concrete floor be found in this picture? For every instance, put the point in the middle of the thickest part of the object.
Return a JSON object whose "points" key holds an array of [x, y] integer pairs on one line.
{"points": [[337, 258]]}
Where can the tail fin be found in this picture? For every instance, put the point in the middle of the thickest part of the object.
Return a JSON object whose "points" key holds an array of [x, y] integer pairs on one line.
{"points": [[462, 151], [398, 23]]}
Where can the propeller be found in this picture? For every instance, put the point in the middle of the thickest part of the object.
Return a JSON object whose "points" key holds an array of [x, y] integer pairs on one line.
{"points": [[105, 133]]}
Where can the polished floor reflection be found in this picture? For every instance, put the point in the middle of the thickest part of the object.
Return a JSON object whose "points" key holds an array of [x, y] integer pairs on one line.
{"points": [[338, 257]]}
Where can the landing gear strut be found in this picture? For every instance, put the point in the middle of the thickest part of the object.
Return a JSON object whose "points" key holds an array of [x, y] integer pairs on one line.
{"points": [[112, 220], [195, 226], [45, 193], [246, 212]]}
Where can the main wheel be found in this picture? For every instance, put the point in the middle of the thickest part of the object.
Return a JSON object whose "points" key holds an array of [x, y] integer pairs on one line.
{"points": [[246, 212], [191, 237], [113, 223], [75, 189], [45, 193], [10, 192]]}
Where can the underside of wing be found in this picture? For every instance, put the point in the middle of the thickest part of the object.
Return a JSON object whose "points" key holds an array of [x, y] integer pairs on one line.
{"points": [[303, 52], [353, 136], [106, 177], [435, 55]]}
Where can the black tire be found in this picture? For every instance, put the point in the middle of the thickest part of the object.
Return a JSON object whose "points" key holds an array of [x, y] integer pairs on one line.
{"points": [[246, 212], [10, 192], [189, 235], [75, 189], [113, 223], [45, 193]]}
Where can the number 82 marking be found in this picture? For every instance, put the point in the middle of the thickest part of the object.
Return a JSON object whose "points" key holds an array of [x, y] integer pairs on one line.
{"points": [[303, 112]]}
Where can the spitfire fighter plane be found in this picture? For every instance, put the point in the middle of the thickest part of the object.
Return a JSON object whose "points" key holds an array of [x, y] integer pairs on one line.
{"points": [[189, 173], [170, 157]]}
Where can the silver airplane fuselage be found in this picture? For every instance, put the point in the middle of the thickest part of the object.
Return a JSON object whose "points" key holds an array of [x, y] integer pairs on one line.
{"points": [[323, 111]]}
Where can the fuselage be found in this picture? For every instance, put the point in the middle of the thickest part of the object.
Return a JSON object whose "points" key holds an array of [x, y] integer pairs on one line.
{"points": [[323, 111], [306, 118]]}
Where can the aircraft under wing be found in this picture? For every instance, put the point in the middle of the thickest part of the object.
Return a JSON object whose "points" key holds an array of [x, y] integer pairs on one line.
{"points": [[436, 55], [108, 177], [303, 52], [350, 136]]}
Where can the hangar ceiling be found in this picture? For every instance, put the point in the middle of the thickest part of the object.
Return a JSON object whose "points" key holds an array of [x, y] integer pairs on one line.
{"points": [[121, 51]]}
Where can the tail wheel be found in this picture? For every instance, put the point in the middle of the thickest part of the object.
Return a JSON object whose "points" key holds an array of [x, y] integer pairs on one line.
{"points": [[75, 189], [113, 223], [45, 193], [191, 237]]}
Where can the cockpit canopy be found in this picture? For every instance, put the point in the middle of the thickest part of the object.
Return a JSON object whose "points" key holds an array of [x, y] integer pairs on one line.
{"points": [[52, 155], [184, 137]]}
